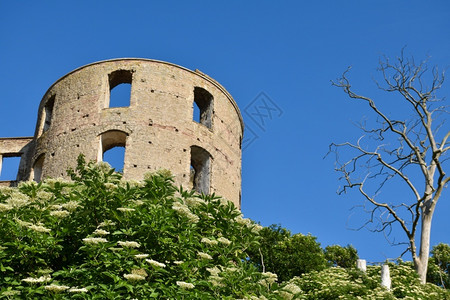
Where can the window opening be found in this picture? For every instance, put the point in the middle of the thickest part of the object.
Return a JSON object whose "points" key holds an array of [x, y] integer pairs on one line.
{"points": [[48, 113], [37, 168], [9, 168], [120, 88], [112, 149], [203, 100], [196, 113], [115, 157], [200, 170]]}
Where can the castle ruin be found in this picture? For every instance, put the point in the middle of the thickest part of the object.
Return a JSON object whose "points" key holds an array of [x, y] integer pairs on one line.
{"points": [[159, 128]]}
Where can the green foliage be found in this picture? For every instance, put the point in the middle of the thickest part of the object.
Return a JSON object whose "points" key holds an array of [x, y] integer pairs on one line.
{"points": [[350, 283], [287, 255], [99, 237], [339, 256], [439, 266]]}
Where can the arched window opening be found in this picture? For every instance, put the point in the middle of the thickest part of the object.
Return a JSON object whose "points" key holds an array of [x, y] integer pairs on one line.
{"points": [[203, 107], [37, 168], [120, 88], [48, 113], [112, 149], [9, 167], [200, 170]]}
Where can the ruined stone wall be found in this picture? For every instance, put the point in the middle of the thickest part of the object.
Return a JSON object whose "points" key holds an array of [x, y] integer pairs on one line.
{"points": [[15, 147], [157, 128]]}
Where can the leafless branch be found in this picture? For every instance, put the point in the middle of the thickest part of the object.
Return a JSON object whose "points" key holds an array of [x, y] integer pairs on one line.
{"points": [[404, 149]]}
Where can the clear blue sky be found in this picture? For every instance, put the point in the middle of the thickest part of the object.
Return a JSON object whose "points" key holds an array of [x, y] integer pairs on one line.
{"points": [[290, 50]]}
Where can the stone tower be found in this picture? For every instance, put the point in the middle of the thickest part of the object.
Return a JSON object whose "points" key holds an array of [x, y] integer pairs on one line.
{"points": [[158, 129]]}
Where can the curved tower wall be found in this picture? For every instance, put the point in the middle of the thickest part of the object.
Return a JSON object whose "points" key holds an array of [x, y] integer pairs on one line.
{"points": [[157, 129]]}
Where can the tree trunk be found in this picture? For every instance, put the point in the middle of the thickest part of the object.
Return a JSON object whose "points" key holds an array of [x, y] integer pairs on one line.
{"points": [[421, 262]]}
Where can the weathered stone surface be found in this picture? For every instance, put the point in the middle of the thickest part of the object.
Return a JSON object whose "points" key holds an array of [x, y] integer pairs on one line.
{"points": [[157, 128], [15, 147]]}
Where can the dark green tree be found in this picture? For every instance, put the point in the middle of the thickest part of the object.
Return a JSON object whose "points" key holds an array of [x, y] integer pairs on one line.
{"points": [[439, 266], [287, 255], [339, 256]]}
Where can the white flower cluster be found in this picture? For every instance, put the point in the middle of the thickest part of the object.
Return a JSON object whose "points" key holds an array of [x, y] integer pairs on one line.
{"points": [[66, 190], [243, 221], [110, 186], [155, 263], [22, 223], [106, 224], [131, 183], [71, 205], [94, 240], [77, 290], [55, 207], [216, 281], [256, 228], [289, 291], [214, 278], [9, 293], [128, 244], [125, 209], [141, 256], [137, 202], [185, 285], [204, 255], [100, 232], [53, 181], [103, 166], [223, 202], [38, 228], [224, 240], [194, 202], [43, 196], [6, 190], [141, 272], [17, 200], [41, 279], [214, 271], [270, 276], [59, 213], [136, 275], [247, 222], [133, 277], [207, 214], [56, 288], [5, 207], [209, 241], [183, 209], [268, 279]]}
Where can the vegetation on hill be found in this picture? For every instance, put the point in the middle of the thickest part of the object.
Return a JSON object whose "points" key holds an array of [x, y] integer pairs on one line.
{"points": [[99, 237]]}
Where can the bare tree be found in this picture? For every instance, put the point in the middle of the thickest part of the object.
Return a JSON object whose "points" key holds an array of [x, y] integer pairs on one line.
{"points": [[409, 151]]}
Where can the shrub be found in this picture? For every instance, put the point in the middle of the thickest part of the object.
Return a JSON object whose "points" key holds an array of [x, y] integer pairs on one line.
{"points": [[100, 237], [339, 256], [287, 255]]}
